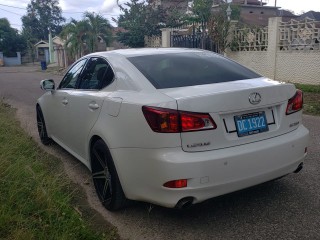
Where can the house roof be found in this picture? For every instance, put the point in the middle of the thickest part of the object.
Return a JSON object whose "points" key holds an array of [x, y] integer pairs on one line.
{"points": [[311, 14], [286, 13], [249, 2], [41, 42], [58, 41], [45, 44]]}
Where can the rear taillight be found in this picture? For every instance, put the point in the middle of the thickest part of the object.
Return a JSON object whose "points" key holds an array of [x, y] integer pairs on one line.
{"points": [[162, 120], [172, 121], [196, 122], [295, 103]]}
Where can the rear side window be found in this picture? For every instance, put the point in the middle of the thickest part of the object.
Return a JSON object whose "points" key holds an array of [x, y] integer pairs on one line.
{"points": [[173, 70]]}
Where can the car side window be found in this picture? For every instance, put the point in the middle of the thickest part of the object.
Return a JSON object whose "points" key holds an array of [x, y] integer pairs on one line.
{"points": [[70, 79], [97, 75]]}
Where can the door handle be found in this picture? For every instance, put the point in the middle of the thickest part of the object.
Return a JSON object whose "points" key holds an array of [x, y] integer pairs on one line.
{"points": [[93, 106], [65, 101]]}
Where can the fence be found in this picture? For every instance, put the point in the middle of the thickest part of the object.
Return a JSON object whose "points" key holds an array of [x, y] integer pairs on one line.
{"points": [[186, 36], [247, 39], [154, 41], [193, 36], [286, 51], [300, 35]]}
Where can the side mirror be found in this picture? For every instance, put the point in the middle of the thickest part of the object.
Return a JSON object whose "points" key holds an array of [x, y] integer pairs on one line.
{"points": [[47, 85]]}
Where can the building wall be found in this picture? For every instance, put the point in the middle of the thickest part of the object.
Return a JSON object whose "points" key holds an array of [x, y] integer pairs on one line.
{"points": [[258, 10], [11, 61]]}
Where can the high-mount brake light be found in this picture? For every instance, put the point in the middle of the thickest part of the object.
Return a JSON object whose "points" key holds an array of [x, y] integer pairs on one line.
{"points": [[173, 121], [295, 103]]}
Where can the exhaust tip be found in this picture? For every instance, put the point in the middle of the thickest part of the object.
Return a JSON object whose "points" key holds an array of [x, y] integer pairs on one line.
{"points": [[299, 168], [184, 203]]}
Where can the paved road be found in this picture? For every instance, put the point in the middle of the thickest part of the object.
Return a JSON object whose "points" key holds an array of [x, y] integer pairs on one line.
{"points": [[285, 209]]}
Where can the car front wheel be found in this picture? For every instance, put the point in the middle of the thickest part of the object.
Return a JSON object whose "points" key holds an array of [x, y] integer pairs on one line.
{"points": [[105, 177]]}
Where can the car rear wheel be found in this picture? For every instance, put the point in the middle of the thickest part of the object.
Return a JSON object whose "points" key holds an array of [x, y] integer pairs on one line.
{"points": [[105, 177], [42, 128]]}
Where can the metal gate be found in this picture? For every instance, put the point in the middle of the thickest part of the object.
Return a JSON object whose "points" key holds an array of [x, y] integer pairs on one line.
{"points": [[198, 39]]}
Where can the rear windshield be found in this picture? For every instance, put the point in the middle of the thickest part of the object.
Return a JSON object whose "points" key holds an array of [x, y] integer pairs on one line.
{"points": [[171, 70]]}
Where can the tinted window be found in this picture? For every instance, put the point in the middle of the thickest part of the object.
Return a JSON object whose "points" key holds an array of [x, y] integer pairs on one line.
{"points": [[70, 79], [98, 74], [189, 69]]}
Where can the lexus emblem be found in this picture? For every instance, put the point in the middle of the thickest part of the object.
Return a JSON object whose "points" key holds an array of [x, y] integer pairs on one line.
{"points": [[255, 98]]}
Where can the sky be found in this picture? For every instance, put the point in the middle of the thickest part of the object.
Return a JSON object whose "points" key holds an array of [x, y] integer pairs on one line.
{"points": [[110, 9]]}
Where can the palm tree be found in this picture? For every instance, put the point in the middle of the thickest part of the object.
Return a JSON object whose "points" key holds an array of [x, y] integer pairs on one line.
{"points": [[99, 29], [75, 34]]}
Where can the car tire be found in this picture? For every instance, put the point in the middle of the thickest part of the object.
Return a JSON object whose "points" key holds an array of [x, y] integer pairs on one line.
{"points": [[105, 177], [42, 130]]}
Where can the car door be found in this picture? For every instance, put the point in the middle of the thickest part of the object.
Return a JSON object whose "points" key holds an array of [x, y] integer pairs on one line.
{"points": [[57, 103], [85, 104]]}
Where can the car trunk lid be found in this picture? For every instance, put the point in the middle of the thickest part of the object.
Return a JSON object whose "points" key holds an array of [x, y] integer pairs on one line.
{"points": [[226, 102]]}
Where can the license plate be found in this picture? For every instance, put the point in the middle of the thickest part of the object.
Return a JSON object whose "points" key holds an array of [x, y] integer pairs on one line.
{"points": [[252, 123]]}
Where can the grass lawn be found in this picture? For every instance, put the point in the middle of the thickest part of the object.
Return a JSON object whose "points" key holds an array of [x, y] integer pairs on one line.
{"points": [[37, 201], [311, 98]]}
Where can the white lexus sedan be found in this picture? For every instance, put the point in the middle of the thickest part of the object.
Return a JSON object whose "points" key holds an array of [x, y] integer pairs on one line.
{"points": [[173, 127]]}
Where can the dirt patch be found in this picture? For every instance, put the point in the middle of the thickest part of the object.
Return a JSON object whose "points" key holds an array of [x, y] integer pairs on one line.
{"points": [[312, 103]]}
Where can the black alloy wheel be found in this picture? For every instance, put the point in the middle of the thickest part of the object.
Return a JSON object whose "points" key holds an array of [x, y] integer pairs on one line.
{"points": [[105, 177], [42, 130]]}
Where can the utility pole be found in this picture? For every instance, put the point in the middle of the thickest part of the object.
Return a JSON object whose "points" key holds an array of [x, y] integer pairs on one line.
{"points": [[275, 3], [51, 52]]}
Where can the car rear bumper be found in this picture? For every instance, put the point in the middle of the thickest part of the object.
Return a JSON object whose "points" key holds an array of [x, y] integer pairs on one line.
{"points": [[143, 172]]}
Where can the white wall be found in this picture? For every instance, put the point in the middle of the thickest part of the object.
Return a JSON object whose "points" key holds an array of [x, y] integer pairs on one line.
{"points": [[298, 67]]}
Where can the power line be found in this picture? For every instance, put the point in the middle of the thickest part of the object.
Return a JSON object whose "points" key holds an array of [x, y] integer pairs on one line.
{"points": [[12, 6], [11, 12], [62, 11]]}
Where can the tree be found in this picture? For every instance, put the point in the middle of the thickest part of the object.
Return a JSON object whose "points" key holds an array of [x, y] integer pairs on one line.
{"points": [[140, 19], [133, 20], [42, 17], [219, 26], [202, 9], [82, 37], [97, 28], [75, 33], [10, 40], [30, 41]]}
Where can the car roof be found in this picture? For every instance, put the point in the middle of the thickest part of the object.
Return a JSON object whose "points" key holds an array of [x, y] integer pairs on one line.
{"points": [[134, 52]]}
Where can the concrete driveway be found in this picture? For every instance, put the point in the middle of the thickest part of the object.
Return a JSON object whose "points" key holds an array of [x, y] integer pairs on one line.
{"points": [[285, 209]]}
